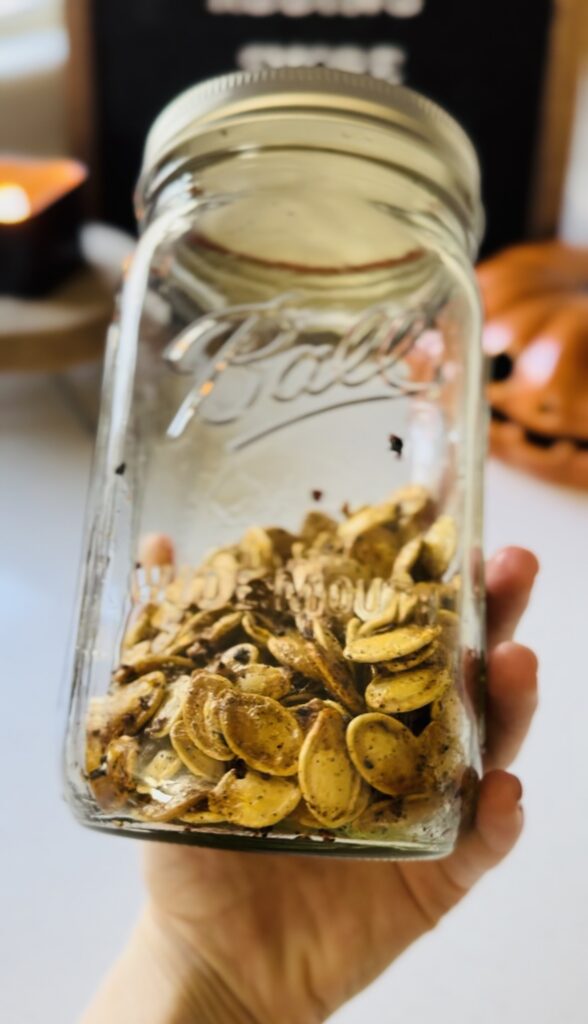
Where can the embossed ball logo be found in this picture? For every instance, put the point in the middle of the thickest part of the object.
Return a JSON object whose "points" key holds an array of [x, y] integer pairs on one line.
{"points": [[289, 352]]}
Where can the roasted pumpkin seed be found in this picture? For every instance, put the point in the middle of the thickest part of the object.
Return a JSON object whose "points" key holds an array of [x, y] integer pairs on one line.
{"points": [[427, 655], [222, 628], [292, 651], [367, 519], [159, 662], [203, 817], [398, 643], [334, 672], [141, 627], [407, 561], [113, 788], [124, 711], [241, 654], [255, 629], [316, 523], [256, 548], [261, 732], [439, 546], [170, 708], [171, 801], [254, 801], [330, 785], [385, 753], [194, 759], [205, 691], [158, 770], [442, 740], [267, 680], [406, 691]]}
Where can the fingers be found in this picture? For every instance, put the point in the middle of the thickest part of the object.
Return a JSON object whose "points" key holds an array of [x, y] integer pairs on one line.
{"points": [[499, 822], [509, 580], [156, 549], [512, 701]]}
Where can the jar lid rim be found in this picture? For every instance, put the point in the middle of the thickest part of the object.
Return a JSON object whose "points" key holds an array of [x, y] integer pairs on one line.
{"points": [[320, 89]]}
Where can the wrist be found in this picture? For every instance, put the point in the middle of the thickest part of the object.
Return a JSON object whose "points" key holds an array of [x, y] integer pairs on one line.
{"points": [[159, 980]]}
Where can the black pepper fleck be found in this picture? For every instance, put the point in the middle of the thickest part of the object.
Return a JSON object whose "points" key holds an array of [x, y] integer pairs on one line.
{"points": [[396, 444]]}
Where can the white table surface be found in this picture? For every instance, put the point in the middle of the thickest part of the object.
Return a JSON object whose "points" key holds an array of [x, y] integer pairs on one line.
{"points": [[515, 952]]}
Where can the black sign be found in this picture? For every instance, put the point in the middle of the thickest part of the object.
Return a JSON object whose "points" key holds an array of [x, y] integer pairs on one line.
{"points": [[484, 62]]}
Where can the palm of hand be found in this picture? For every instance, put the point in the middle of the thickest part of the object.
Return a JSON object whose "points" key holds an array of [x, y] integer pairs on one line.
{"points": [[326, 927], [294, 937]]}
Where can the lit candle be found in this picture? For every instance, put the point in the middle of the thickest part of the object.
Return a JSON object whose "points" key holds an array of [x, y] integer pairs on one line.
{"points": [[40, 213]]}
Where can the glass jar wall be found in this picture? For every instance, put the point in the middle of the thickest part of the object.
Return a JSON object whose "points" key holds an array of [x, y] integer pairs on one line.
{"points": [[280, 639]]}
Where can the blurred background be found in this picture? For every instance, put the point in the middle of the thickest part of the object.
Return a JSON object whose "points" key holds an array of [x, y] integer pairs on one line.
{"points": [[80, 83]]}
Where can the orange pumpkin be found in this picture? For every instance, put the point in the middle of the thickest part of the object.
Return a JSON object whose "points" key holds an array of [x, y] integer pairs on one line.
{"points": [[536, 335]]}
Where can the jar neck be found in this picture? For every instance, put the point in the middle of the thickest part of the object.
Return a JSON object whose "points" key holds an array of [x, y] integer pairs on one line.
{"points": [[333, 164]]}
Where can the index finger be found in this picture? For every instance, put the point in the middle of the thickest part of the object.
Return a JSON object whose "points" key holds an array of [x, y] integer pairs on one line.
{"points": [[510, 575]]}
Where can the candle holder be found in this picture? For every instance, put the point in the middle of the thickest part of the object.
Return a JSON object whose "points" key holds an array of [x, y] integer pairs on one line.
{"points": [[40, 217]]}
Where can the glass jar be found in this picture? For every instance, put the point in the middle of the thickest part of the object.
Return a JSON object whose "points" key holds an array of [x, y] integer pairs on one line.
{"points": [[281, 626]]}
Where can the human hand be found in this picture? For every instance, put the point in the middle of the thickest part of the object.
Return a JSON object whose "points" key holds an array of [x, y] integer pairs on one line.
{"points": [[265, 938]]}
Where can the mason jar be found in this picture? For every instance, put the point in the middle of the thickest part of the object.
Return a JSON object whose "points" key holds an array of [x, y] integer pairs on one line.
{"points": [[281, 627]]}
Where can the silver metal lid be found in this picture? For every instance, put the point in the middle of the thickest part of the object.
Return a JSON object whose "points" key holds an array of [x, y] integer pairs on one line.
{"points": [[362, 97]]}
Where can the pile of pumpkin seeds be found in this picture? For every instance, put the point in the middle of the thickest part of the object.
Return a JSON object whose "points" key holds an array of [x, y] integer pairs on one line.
{"points": [[312, 687]]}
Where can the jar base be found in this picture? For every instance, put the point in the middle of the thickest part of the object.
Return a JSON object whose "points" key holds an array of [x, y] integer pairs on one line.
{"points": [[322, 846]]}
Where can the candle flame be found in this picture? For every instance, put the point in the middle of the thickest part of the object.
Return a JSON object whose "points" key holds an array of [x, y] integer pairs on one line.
{"points": [[15, 205]]}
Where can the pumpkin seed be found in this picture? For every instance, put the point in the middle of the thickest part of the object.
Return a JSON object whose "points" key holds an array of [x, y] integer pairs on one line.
{"points": [[399, 611], [333, 670], [199, 714], [261, 732], [173, 799], [158, 770], [330, 785], [316, 523], [136, 654], [166, 615], [385, 754], [398, 643], [203, 817], [407, 561], [192, 756], [124, 711], [427, 655], [442, 743], [413, 501], [352, 630], [241, 654], [386, 818], [367, 519], [222, 628], [170, 708], [113, 788], [292, 651], [255, 630], [256, 548], [267, 680], [439, 546], [406, 691], [302, 817], [376, 549], [253, 801], [158, 662], [141, 627]]}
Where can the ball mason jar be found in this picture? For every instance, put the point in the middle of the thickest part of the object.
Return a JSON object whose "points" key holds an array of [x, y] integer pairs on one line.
{"points": [[280, 641]]}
